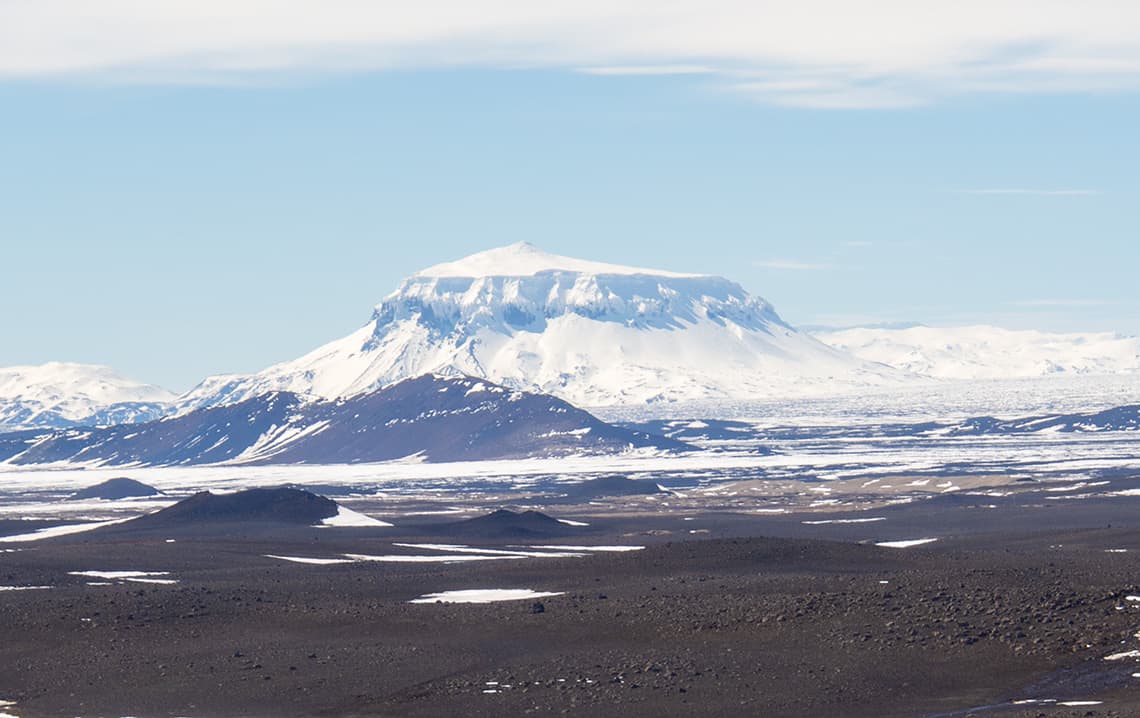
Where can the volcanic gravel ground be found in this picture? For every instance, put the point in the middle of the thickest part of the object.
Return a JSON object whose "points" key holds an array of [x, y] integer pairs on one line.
{"points": [[746, 626]]}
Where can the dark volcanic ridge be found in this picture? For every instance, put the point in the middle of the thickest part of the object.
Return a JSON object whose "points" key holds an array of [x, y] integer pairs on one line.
{"points": [[508, 524], [115, 489], [742, 433], [611, 486], [433, 417], [281, 505]]}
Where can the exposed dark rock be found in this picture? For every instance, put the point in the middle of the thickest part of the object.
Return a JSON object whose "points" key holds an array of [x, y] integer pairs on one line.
{"points": [[614, 485]]}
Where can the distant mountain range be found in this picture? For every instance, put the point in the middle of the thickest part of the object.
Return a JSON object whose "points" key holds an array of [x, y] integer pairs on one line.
{"points": [[429, 418], [589, 333], [984, 352], [59, 394]]}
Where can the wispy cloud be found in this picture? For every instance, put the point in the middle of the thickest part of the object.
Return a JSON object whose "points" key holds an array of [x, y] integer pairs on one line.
{"points": [[792, 265], [832, 54], [1059, 303], [1037, 192], [643, 70]]}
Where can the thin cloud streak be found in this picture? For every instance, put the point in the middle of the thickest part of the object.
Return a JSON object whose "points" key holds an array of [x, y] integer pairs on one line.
{"points": [[648, 70], [792, 265], [1032, 192], [825, 54], [1060, 303]]}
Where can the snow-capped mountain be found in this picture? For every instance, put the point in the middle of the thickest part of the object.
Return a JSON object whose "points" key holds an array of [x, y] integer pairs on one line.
{"points": [[431, 417], [590, 333], [985, 352], [59, 394]]}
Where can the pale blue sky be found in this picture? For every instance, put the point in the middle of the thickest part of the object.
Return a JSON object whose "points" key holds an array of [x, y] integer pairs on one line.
{"points": [[174, 228]]}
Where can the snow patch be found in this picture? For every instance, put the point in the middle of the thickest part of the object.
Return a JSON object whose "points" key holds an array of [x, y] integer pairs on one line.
{"points": [[906, 544], [561, 547], [64, 530], [311, 561], [438, 558], [484, 595], [845, 521], [346, 517], [132, 576], [460, 549]]}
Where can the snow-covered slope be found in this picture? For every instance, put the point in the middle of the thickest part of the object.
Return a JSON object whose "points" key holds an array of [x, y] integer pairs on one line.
{"points": [[592, 334], [59, 394], [985, 352]]}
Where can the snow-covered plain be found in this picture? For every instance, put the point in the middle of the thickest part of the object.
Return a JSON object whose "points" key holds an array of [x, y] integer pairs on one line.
{"points": [[949, 400], [1050, 460], [1072, 460]]}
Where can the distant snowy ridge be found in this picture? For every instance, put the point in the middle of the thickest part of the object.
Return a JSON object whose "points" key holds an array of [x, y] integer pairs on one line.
{"points": [[60, 394], [592, 334], [986, 352]]}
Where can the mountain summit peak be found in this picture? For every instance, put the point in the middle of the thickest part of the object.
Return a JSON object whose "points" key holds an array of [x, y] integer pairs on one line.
{"points": [[523, 259]]}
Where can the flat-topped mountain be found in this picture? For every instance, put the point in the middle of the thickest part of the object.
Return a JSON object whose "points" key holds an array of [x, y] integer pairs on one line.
{"points": [[590, 333]]}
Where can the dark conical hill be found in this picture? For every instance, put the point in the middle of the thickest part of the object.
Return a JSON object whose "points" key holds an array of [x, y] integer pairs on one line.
{"points": [[115, 489]]}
